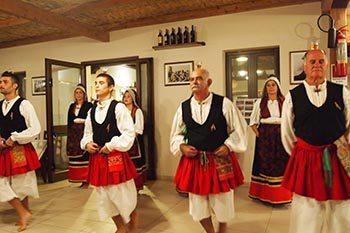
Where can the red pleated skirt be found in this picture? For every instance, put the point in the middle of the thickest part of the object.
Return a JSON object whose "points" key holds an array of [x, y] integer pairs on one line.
{"points": [[101, 174], [6, 164], [192, 177], [304, 174]]}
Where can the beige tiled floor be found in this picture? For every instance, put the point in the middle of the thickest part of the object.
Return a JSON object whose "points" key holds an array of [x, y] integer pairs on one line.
{"points": [[64, 208]]}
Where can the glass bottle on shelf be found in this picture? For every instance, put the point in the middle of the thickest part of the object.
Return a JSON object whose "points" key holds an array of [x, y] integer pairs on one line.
{"points": [[193, 35], [173, 36], [166, 37], [186, 36], [179, 36], [160, 38]]}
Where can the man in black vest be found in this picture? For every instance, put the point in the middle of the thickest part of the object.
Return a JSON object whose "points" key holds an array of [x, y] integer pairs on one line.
{"points": [[19, 126], [108, 134], [315, 117], [207, 130]]}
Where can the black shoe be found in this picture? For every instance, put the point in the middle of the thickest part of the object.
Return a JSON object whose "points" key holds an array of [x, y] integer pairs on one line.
{"points": [[182, 194]]}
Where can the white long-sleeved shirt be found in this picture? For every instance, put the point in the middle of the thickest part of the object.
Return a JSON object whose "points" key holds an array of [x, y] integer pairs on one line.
{"points": [[124, 123], [139, 122], [31, 119], [272, 105], [236, 125], [317, 99]]}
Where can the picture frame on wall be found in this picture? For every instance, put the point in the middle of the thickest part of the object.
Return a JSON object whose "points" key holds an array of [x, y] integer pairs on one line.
{"points": [[296, 66], [38, 85], [177, 73]]}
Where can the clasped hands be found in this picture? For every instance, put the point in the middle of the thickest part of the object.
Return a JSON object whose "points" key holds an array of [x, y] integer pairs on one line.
{"points": [[6, 143], [191, 151], [92, 147]]}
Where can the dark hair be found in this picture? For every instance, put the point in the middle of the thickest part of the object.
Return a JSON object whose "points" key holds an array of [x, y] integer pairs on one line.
{"points": [[12, 75], [135, 94], [109, 78]]}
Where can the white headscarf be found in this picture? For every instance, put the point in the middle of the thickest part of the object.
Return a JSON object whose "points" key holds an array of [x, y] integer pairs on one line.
{"points": [[132, 94], [81, 88], [274, 78]]}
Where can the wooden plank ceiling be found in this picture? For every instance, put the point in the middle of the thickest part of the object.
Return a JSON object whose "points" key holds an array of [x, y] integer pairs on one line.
{"points": [[32, 21]]}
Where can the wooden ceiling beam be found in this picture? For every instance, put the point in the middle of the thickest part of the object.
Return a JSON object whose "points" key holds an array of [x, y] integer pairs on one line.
{"points": [[326, 5], [248, 5], [340, 4], [32, 13], [12, 22], [35, 39]]}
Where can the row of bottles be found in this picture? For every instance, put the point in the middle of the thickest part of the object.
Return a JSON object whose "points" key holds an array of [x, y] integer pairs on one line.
{"points": [[179, 37]]}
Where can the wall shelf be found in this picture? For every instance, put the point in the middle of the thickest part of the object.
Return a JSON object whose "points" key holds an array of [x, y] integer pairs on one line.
{"points": [[177, 46]]}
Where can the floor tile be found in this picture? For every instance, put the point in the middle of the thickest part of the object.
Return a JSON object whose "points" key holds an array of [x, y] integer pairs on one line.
{"points": [[64, 207]]}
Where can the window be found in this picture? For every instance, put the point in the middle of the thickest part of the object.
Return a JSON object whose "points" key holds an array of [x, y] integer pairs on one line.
{"points": [[247, 70]]}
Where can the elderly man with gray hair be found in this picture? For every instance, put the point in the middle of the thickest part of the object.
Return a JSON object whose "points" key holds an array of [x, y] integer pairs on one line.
{"points": [[207, 130]]}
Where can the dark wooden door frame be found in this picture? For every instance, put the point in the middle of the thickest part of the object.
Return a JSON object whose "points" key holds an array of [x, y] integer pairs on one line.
{"points": [[49, 109]]}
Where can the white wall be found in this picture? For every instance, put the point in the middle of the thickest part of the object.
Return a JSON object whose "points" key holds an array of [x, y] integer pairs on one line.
{"points": [[290, 28]]}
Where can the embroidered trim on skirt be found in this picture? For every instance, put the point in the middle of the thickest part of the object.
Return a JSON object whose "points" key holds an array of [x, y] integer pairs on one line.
{"points": [[304, 174], [78, 168], [30, 161], [270, 161], [111, 169], [199, 179]]}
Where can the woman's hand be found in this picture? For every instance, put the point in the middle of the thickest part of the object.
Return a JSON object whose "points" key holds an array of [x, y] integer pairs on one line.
{"points": [[255, 130]]}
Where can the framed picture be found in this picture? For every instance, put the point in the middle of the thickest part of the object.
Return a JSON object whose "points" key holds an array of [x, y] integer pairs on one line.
{"points": [[297, 74], [177, 73], [38, 85]]}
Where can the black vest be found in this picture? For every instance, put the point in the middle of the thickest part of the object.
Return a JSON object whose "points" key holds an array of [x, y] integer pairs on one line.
{"points": [[213, 132], [104, 132], [82, 112], [323, 125], [13, 121]]}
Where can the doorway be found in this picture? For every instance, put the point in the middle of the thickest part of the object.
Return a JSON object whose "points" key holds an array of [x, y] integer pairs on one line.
{"points": [[62, 77]]}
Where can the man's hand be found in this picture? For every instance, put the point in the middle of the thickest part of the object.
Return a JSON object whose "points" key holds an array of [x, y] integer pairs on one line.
{"points": [[2, 144], [9, 142], [91, 147], [188, 150], [223, 150], [104, 150]]}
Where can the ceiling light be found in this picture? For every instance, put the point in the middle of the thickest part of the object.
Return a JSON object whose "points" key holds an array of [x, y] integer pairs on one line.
{"points": [[241, 59], [242, 73]]}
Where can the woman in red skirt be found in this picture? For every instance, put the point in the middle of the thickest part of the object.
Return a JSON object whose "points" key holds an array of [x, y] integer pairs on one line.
{"points": [[78, 161], [108, 135], [137, 152]]}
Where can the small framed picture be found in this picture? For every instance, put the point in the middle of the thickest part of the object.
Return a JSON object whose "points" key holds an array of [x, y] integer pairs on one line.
{"points": [[177, 73], [296, 61], [38, 85]]}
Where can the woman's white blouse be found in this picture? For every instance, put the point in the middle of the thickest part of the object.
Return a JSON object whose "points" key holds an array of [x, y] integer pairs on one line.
{"points": [[272, 105]]}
